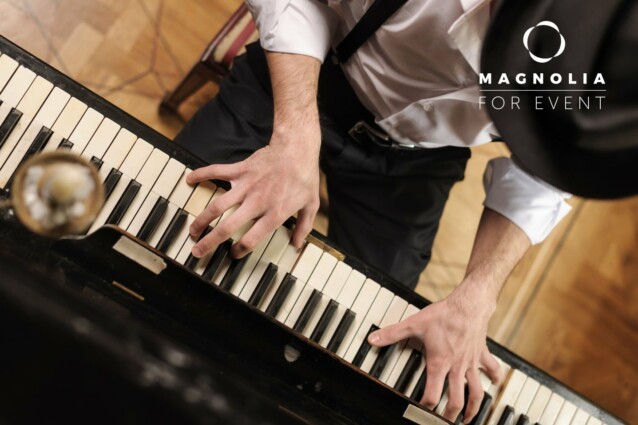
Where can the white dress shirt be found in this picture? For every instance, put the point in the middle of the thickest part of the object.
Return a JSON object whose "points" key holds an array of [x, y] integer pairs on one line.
{"points": [[418, 74]]}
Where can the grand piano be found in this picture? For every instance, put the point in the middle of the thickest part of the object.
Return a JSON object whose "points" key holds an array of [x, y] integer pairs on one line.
{"points": [[123, 325]]}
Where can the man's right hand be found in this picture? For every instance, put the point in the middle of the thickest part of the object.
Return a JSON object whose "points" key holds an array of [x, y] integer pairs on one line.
{"points": [[278, 180]]}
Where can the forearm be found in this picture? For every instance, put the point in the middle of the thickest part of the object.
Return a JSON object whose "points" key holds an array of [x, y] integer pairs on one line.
{"points": [[498, 247], [294, 81]]}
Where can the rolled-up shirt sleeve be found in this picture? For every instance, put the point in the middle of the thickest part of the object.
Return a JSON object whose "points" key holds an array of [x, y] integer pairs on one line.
{"points": [[530, 203], [294, 26]]}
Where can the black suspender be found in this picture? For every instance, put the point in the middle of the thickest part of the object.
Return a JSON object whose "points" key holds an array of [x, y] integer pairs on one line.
{"points": [[374, 17]]}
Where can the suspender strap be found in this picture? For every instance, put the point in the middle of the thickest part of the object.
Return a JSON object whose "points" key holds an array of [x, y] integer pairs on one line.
{"points": [[374, 17]]}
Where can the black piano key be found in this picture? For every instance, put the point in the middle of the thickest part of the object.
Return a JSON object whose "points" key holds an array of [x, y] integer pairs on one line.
{"points": [[173, 229], [324, 321], [216, 260], [36, 146], [466, 395], [65, 144], [481, 416], [408, 371], [153, 219], [308, 310], [38, 143], [419, 388], [97, 162], [364, 349], [522, 420], [382, 360], [235, 268], [123, 204], [110, 182], [281, 295], [262, 286], [191, 261], [341, 331], [9, 124], [507, 418]]}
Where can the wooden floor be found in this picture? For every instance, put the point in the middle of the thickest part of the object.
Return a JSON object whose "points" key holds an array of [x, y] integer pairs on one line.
{"points": [[571, 307]]}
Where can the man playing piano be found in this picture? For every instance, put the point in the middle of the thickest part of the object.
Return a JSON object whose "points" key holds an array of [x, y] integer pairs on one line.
{"points": [[389, 113]]}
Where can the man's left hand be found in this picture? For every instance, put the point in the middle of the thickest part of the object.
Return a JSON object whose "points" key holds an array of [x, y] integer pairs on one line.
{"points": [[453, 332]]}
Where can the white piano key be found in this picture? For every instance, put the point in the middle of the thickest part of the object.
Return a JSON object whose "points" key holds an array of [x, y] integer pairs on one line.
{"points": [[200, 198], [8, 66], [495, 389], [101, 140], [392, 315], [316, 266], [110, 203], [330, 291], [66, 123], [16, 88], [285, 264], [250, 264], [299, 304], [552, 409], [440, 408], [120, 148], [45, 117], [146, 177], [566, 414], [402, 361], [538, 404], [188, 244], [182, 192], [104, 171], [272, 254], [511, 390], [594, 421], [181, 240], [85, 130], [136, 158], [526, 396], [387, 373], [346, 299], [29, 106], [162, 226], [142, 213], [415, 378], [307, 262], [290, 300], [169, 178], [580, 418], [4, 112], [375, 314]]}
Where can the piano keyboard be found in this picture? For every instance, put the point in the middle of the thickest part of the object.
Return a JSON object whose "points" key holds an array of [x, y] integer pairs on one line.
{"points": [[311, 291]]}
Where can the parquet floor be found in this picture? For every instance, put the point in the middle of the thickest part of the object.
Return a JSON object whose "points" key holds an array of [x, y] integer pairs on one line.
{"points": [[570, 306]]}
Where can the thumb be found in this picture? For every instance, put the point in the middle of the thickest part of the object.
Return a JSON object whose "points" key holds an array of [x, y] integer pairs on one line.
{"points": [[391, 334]]}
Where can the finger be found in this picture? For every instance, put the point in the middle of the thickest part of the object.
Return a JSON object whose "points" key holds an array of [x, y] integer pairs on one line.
{"points": [[491, 367], [392, 334], [475, 394], [215, 171], [433, 385], [305, 221], [215, 209], [224, 230], [257, 233], [455, 396]]}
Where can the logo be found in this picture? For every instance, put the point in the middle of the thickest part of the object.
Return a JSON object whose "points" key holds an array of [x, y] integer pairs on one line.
{"points": [[549, 24]]}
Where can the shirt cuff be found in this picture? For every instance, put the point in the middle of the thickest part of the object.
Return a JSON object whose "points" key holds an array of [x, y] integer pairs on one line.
{"points": [[302, 27], [530, 203]]}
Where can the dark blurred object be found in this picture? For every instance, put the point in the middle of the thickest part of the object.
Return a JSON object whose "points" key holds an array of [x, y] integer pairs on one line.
{"points": [[589, 152]]}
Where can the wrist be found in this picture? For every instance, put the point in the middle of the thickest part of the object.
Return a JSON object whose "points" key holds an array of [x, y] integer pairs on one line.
{"points": [[476, 298]]}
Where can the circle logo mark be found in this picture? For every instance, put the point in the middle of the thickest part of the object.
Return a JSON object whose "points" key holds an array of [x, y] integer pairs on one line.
{"points": [[549, 24]]}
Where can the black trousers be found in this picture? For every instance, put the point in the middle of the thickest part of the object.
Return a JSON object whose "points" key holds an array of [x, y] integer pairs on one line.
{"points": [[385, 203]]}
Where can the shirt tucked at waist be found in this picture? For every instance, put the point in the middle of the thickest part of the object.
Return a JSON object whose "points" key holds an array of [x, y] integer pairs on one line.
{"points": [[418, 75]]}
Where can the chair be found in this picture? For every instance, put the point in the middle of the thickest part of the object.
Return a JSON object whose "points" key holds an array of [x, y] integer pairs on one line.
{"points": [[217, 59]]}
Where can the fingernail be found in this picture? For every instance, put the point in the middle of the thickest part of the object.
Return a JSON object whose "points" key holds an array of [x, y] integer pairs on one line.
{"points": [[374, 338], [196, 251]]}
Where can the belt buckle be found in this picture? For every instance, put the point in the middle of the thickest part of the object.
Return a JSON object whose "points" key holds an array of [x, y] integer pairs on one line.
{"points": [[377, 137]]}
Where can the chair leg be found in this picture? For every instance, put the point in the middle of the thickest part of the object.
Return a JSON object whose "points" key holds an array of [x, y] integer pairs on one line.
{"points": [[197, 77]]}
